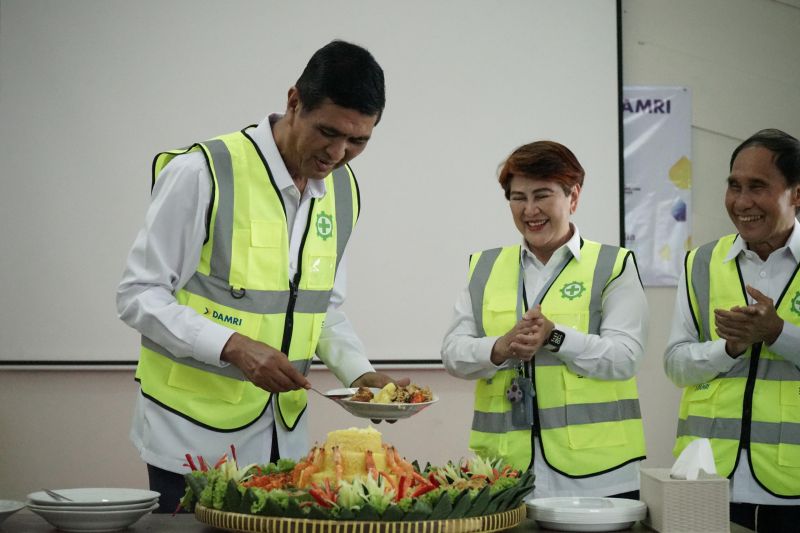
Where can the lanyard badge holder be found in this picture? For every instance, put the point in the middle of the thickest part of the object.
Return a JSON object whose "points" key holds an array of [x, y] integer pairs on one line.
{"points": [[521, 394]]}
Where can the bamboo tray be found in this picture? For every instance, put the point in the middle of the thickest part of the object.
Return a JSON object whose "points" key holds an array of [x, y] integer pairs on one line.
{"points": [[274, 524]]}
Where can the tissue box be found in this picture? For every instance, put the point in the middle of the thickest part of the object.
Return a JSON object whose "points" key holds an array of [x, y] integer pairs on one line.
{"points": [[680, 505]]}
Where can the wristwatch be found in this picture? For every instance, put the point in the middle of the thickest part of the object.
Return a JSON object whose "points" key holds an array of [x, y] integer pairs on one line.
{"points": [[555, 340]]}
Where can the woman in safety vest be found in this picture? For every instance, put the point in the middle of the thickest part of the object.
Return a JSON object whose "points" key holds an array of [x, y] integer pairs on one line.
{"points": [[553, 330]]}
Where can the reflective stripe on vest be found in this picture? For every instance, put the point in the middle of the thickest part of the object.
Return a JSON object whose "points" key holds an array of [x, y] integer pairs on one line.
{"points": [[756, 404], [587, 426], [242, 282]]}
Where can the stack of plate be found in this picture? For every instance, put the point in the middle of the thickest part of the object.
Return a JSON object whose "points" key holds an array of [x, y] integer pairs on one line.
{"points": [[585, 513], [101, 509]]}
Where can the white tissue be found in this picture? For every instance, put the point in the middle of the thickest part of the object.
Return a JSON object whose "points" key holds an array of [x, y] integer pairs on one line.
{"points": [[695, 457]]}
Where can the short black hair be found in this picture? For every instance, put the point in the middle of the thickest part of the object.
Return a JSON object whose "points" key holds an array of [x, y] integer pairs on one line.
{"points": [[348, 75], [785, 147]]}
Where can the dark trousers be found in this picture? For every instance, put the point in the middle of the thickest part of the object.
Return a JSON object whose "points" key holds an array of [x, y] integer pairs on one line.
{"points": [[632, 495], [170, 485], [766, 518]]}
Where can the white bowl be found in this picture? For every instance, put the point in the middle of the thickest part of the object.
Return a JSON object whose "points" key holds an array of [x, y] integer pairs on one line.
{"points": [[92, 521], [94, 496], [95, 508], [9, 507]]}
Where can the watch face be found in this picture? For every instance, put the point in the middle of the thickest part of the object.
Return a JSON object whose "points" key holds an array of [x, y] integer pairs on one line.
{"points": [[556, 338]]}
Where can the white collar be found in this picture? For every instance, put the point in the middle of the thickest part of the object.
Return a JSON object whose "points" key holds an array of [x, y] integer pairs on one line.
{"points": [[572, 246], [793, 244], [262, 135]]}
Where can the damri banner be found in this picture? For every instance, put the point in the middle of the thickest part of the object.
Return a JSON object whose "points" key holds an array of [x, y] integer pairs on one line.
{"points": [[657, 123]]}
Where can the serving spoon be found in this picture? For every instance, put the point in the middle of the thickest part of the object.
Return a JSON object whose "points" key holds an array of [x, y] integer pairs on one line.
{"points": [[56, 496], [337, 397]]}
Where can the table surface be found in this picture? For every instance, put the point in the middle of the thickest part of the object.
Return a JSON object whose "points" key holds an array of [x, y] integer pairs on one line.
{"points": [[28, 522]]}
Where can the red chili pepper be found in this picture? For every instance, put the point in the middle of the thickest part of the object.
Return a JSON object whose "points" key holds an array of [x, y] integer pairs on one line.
{"points": [[325, 497], [432, 479], [221, 461], [203, 465], [424, 489], [317, 495], [401, 488], [191, 463], [233, 454]]}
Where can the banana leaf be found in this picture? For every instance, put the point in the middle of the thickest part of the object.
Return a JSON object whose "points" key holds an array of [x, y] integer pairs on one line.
{"points": [[461, 505], [520, 491], [345, 514], [318, 513], [233, 498], [293, 510], [367, 513], [504, 498], [248, 500], [272, 508], [393, 513], [420, 511], [196, 483], [480, 502], [443, 507]]}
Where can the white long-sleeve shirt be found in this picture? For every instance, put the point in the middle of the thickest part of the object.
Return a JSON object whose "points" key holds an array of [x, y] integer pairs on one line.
{"points": [[163, 258], [614, 354], [690, 362]]}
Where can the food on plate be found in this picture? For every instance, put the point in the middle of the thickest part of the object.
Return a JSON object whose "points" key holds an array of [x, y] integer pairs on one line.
{"points": [[363, 394], [391, 393], [356, 476]]}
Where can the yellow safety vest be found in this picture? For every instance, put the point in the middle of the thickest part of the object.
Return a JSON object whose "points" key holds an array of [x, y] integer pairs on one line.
{"points": [[586, 426], [242, 282], [756, 404]]}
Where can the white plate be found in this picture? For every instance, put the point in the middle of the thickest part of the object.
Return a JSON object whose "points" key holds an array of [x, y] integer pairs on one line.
{"points": [[95, 521], [565, 526], [586, 513], [95, 508], [378, 411], [9, 507], [94, 496]]}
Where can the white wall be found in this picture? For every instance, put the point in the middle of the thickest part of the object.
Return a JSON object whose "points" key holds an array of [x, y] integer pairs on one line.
{"points": [[61, 429], [103, 85]]}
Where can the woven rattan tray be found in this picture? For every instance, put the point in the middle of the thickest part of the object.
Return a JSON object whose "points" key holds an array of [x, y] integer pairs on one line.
{"points": [[275, 524]]}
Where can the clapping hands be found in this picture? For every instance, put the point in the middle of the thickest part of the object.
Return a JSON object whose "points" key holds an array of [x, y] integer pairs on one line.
{"points": [[742, 326]]}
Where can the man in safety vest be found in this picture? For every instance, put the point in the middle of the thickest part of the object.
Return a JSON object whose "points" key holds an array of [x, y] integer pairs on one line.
{"points": [[236, 278], [735, 339], [553, 330]]}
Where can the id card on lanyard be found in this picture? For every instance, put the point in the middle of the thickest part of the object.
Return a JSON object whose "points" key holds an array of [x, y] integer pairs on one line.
{"points": [[522, 392]]}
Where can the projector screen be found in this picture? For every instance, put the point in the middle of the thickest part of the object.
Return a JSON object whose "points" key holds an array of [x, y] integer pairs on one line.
{"points": [[91, 90]]}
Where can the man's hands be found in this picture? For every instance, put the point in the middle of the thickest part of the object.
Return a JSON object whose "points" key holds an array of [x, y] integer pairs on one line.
{"points": [[742, 326], [378, 380], [527, 336], [263, 365]]}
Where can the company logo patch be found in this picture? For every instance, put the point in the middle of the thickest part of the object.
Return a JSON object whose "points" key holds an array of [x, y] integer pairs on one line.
{"points": [[324, 226], [225, 319], [796, 303], [572, 290]]}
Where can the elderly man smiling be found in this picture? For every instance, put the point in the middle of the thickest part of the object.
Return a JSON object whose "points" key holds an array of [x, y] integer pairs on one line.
{"points": [[735, 340]]}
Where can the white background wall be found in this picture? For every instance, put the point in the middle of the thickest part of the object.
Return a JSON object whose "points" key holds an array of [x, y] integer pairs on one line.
{"points": [[740, 57], [92, 89]]}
